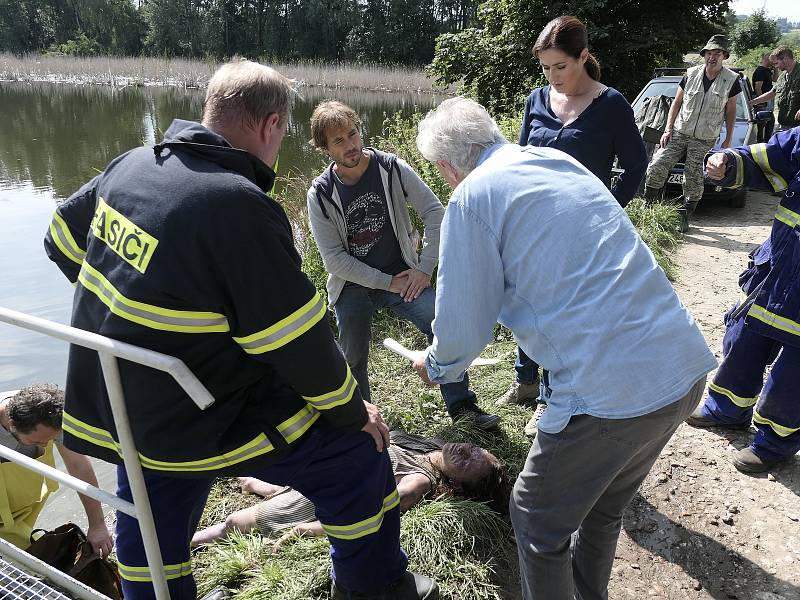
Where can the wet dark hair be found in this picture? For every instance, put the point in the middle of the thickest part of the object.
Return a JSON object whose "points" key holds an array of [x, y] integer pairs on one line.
{"points": [[38, 404], [568, 34], [494, 489]]}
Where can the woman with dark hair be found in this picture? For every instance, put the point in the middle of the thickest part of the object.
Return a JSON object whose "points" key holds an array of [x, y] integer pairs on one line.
{"points": [[421, 468], [591, 122]]}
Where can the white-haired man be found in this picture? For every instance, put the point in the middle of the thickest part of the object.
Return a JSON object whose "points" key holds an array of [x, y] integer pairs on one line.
{"points": [[179, 249], [555, 259]]}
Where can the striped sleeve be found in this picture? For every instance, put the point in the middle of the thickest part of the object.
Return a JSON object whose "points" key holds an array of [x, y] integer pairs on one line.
{"points": [[768, 166], [277, 316], [65, 240]]}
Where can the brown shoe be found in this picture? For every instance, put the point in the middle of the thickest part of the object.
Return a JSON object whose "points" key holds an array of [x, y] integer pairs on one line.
{"points": [[747, 461], [519, 393]]}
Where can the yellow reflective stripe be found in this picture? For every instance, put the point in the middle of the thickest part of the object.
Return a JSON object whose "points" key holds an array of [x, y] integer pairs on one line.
{"points": [[143, 573], [367, 526], [63, 239], [759, 153], [776, 321], [739, 170], [291, 429], [285, 330], [737, 400], [337, 397], [784, 215], [149, 315], [779, 429]]}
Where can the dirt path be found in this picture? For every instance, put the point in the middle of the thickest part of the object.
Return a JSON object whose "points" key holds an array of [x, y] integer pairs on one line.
{"points": [[699, 528]]}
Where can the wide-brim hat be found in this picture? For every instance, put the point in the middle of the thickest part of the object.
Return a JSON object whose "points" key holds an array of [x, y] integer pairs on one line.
{"points": [[717, 42]]}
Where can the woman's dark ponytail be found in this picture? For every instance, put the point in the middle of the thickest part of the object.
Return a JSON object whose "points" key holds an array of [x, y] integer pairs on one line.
{"points": [[592, 67]]}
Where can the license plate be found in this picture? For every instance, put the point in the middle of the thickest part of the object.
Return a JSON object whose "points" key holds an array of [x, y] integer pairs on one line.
{"points": [[676, 178]]}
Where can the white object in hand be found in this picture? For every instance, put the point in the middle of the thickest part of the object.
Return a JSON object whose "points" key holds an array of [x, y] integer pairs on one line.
{"points": [[398, 348]]}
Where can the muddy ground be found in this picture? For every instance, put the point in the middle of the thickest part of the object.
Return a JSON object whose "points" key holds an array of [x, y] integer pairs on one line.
{"points": [[698, 528]]}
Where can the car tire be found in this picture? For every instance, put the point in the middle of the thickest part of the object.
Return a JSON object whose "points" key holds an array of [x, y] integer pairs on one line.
{"points": [[738, 198]]}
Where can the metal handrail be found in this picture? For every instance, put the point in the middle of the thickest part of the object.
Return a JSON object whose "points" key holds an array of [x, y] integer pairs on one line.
{"points": [[109, 350]]}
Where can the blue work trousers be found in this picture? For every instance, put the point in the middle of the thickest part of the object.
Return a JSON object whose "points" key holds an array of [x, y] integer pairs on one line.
{"points": [[738, 392], [354, 309], [353, 490]]}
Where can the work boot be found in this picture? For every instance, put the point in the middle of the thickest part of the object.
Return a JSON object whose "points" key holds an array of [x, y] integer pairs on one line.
{"points": [[703, 419], [652, 194], [519, 393], [410, 586], [747, 461], [683, 212], [470, 410]]}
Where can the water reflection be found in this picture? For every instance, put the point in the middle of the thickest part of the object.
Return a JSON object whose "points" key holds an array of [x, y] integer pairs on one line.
{"points": [[53, 138], [57, 137]]}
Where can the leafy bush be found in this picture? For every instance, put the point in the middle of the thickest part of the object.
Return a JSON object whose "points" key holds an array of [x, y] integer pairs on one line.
{"points": [[755, 31], [80, 46]]}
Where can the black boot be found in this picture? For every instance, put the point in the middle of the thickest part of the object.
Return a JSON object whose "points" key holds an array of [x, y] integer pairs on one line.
{"points": [[409, 587], [652, 194], [470, 410]]}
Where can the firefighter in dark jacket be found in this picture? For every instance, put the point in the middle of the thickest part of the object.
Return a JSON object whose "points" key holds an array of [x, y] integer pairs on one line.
{"points": [[178, 248], [764, 328]]}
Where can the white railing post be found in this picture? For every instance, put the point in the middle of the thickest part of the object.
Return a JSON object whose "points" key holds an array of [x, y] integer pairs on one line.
{"points": [[109, 351], [133, 468]]}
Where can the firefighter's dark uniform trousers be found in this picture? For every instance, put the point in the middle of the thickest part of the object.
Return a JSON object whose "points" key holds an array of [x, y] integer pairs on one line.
{"points": [[767, 330], [736, 396], [361, 515]]}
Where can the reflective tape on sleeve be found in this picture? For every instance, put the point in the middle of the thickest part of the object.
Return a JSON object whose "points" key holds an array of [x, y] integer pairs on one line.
{"points": [[759, 153], [285, 330], [337, 397], [774, 320], [62, 237]]}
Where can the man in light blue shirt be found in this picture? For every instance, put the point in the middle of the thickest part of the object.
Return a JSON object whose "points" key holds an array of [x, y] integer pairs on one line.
{"points": [[532, 240]]}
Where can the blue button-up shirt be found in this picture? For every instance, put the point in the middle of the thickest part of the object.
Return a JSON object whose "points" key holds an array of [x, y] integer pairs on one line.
{"points": [[531, 239]]}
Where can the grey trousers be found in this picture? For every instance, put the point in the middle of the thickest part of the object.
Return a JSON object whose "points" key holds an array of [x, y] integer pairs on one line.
{"points": [[568, 501], [665, 158]]}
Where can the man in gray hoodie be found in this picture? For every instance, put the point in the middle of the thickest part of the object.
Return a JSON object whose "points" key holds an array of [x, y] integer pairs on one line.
{"points": [[360, 222]]}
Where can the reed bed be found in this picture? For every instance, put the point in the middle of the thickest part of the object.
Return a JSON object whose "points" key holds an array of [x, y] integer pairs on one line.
{"points": [[189, 73]]}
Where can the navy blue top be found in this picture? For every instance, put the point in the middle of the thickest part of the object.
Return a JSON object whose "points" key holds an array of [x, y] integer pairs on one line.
{"points": [[604, 130]]}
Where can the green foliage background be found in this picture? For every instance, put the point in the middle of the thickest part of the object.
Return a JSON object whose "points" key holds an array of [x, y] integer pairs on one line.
{"points": [[494, 62], [756, 31]]}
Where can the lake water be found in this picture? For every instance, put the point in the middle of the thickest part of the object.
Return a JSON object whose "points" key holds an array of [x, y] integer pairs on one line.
{"points": [[55, 137]]}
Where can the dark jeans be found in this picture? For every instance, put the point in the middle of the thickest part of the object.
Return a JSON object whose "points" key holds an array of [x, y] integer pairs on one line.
{"points": [[568, 501], [527, 370], [354, 309]]}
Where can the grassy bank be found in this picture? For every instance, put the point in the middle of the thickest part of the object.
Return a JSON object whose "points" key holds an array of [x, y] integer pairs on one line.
{"points": [[464, 545], [120, 71]]}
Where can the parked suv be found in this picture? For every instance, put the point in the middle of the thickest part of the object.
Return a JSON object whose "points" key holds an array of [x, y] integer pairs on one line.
{"points": [[665, 82]]}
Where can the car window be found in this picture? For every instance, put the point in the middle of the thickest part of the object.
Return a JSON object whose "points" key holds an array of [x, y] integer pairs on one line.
{"points": [[742, 110], [656, 88]]}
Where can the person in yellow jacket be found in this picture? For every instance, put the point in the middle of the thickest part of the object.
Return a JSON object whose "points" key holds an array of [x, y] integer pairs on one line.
{"points": [[30, 423]]}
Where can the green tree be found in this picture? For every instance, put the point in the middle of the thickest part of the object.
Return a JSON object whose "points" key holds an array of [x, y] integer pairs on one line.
{"points": [[756, 30], [629, 38]]}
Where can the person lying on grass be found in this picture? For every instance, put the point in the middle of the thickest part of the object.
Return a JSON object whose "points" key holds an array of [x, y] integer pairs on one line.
{"points": [[421, 467]]}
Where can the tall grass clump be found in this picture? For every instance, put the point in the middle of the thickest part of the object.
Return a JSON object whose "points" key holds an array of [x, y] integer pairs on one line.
{"points": [[659, 224]]}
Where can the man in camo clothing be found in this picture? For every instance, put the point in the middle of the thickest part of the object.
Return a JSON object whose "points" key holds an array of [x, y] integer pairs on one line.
{"points": [[706, 96]]}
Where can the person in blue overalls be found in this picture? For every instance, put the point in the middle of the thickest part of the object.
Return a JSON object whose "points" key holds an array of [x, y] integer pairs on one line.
{"points": [[764, 328]]}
